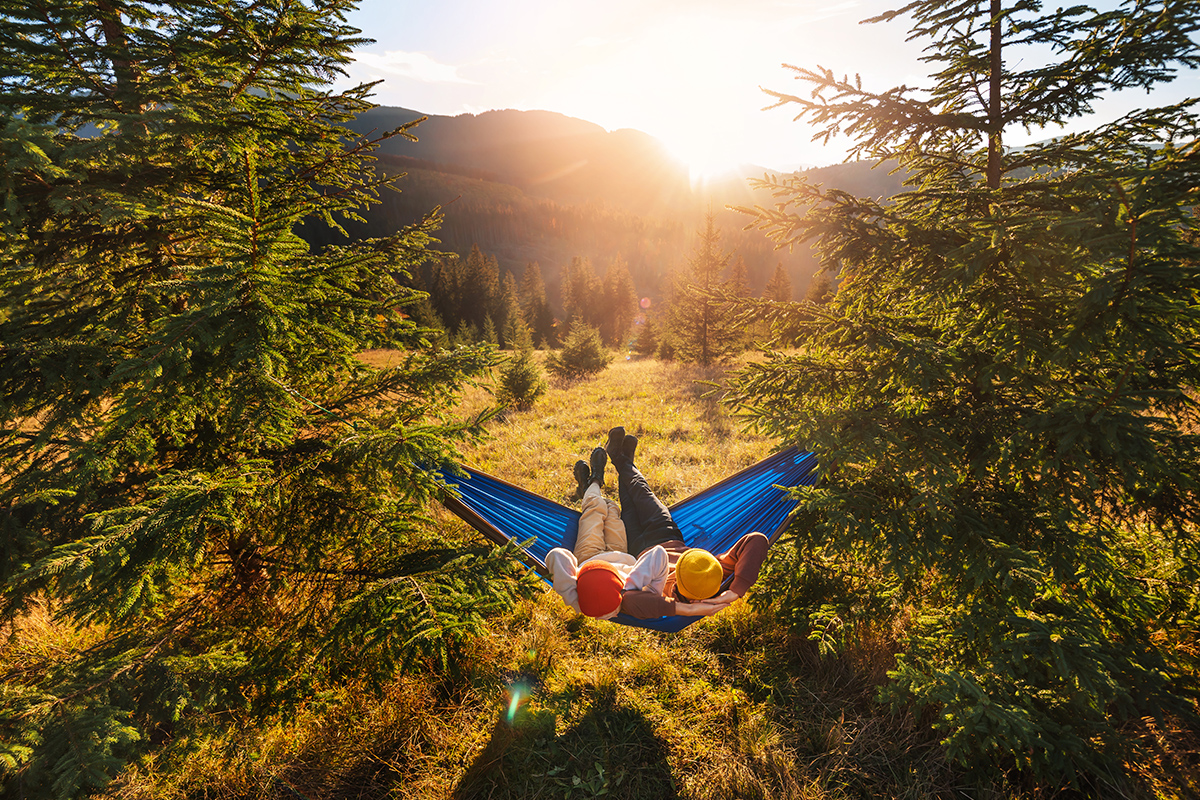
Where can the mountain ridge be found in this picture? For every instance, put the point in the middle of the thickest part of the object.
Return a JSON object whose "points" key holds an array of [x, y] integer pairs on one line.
{"points": [[540, 186]]}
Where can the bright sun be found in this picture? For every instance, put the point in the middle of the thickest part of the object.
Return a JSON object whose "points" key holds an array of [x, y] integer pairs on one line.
{"points": [[706, 160], [691, 97], [669, 81]]}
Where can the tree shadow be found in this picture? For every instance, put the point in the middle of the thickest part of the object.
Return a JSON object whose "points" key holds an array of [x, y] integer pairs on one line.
{"points": [[612, 750]]}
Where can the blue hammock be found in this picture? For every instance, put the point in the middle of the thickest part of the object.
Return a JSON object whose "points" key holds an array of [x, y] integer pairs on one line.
{"points": [[755, 499]]}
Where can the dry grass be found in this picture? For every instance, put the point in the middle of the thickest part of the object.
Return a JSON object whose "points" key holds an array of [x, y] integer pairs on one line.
{"points": [[38, 639], [686, 442], [556, 705]]}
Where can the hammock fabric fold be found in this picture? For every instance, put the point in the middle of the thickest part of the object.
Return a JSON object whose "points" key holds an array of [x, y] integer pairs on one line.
{"points": [[755, 499]]}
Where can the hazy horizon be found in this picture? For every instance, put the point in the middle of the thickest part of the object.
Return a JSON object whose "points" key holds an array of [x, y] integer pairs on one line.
{"points": [[689, 74]]}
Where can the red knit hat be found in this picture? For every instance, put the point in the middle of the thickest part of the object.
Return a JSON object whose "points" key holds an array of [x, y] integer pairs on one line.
{"points": [[599, 586]]}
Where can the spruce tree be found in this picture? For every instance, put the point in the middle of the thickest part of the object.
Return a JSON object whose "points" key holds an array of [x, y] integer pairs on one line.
{"points": [[737, 288], [702, 324], [582, 355], [422, 310], [646, 341], [784, 328], [820, 289], [534, 305], [739, 278], [197, 464], [513, 330], [582, 292], [779, 288], [1003, 392], [620, 303], [478, 283], [488, 334], [444, 291], [522, 380]]}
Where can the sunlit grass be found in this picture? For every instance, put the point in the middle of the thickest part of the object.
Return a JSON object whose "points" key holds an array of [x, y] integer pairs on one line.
{"points": [[37, 637], [686, 441], [552, 704]]}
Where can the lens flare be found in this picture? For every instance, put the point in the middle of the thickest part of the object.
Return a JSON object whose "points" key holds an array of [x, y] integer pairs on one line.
{"points": [[513, 704], [519, 694]]}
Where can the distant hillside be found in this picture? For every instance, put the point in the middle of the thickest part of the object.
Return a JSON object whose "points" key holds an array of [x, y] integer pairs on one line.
{"points": [[859, 178], [544, 153], [536, 186]]}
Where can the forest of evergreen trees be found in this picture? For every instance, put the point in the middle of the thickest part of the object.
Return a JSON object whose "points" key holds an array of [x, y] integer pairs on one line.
{"points": [[498, 220], [515, 227], [473, 299]]}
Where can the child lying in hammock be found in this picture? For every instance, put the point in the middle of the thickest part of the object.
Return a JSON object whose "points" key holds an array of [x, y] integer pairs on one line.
{"points": [[602, 577]]}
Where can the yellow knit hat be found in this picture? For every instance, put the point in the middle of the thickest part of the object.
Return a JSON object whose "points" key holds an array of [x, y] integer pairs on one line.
{"points": [[697, 574]]}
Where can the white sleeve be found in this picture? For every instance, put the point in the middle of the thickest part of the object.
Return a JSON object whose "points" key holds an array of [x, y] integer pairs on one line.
{"points": [[650, 572], [562, 566]]}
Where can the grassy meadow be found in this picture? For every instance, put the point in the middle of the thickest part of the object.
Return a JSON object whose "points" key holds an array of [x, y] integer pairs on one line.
{"points": [[556, 705], [552, 704]]}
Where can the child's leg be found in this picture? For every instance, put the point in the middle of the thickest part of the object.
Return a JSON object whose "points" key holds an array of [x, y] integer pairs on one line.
{"points": [[592, 534], [614, 529]]}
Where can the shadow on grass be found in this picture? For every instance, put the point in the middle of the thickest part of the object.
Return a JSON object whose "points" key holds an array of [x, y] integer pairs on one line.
{"points": [[824, 708], [611, 751]]}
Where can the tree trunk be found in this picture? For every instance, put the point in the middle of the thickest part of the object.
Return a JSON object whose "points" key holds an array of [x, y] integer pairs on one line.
{"points": [[995, 124]]}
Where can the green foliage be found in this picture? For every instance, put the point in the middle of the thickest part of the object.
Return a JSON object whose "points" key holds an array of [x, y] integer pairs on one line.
{"points": [[522, 381], [535, 308], [519, 337], [513, 330], [779, 288], [467, 335], [468, 295], [1002, 389], [826, 596], [582, 292], [489, 335], [739, 278], [647, 337], [701, 321], [620, 303], [423, 313], [196, 461], [478, 288], [666, 349], [820, 289], [582, 354]]}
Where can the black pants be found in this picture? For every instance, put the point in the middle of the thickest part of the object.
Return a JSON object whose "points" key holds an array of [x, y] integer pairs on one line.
{"points": [[647, 520]]}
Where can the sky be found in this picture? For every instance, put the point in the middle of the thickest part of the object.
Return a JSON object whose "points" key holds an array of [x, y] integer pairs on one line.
{"points": [[689, 72]]}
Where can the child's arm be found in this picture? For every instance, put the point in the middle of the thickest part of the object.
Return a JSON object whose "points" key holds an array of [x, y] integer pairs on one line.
{"points": [[562, 566]]}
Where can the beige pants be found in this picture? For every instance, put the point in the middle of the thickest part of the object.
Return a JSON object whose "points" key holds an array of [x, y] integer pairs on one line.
{"points": [[600, 526]]}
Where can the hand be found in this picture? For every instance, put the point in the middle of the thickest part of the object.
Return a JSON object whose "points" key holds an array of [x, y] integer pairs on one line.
{"points": [[724, 598], [703, 609]]}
